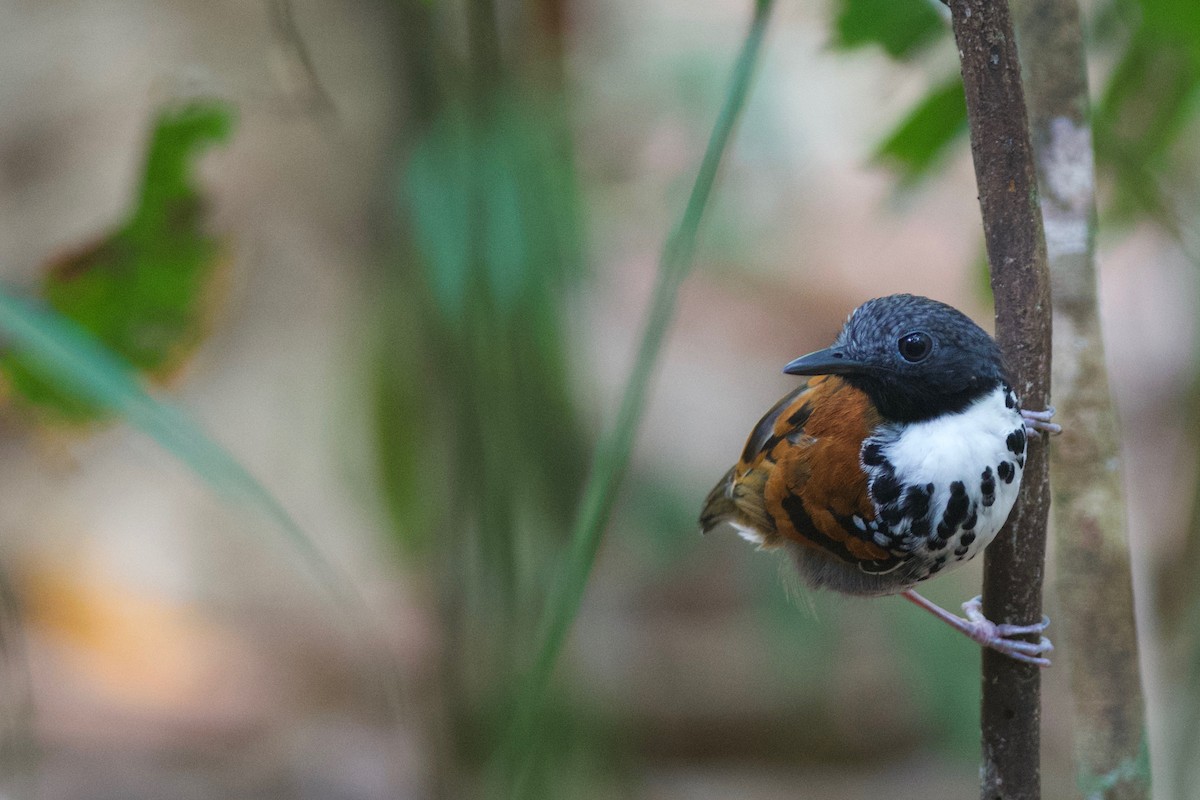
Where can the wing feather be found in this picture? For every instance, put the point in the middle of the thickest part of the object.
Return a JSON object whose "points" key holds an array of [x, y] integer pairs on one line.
{"points": [[799, 478]]}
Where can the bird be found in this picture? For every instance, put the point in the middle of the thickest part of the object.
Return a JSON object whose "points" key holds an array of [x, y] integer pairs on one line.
{"points": [[897, 459]]}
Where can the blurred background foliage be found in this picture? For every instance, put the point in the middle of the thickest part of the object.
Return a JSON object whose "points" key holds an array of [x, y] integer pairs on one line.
{"points": [[142, 289], [536, 157]]}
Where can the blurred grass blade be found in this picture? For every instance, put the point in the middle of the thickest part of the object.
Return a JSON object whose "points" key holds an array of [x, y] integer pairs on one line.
{"points": [[613, 451], [79, 364], [76, 363]]}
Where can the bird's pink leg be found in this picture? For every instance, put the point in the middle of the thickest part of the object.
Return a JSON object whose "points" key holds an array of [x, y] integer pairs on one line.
{"points": [[983, 631], [1040, 421]]}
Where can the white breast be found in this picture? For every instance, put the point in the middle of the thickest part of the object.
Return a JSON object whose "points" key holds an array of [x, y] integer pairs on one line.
{"points": [[977, 453]]}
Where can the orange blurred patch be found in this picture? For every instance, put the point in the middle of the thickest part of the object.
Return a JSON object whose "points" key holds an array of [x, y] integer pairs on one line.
{"points": [[135, 647]]}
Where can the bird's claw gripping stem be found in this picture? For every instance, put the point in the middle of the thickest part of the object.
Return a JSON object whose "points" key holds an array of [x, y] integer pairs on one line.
{"points": [[998, 637], [1040, 421]]}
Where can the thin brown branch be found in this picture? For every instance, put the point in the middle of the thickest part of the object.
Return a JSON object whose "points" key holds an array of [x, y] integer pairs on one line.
{"points": [[1089, 507], [1012, 224]]}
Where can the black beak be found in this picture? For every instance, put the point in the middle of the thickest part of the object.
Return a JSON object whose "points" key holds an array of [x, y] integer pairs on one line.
{"points": [[831, 361]]}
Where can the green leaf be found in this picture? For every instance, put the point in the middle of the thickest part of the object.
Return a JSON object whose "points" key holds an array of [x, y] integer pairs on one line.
{"points": [[492, 202], [1175, 21], [141, 290], [916, 144], [900, 27], [169, 202]]}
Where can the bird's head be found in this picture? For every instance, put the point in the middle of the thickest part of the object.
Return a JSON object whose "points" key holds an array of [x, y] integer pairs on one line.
{"points": [[914, 357]]}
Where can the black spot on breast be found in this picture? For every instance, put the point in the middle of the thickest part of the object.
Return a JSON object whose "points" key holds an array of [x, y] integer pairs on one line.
{"points": [[872, 454], [1010, 399], [967, 538], [969, 522], [1016, 442], [1006, 471], [961, 551], [920, 527], [936, 542], [956, 507], [987, 487], [891, 514], [885, 488], [916, 501]]}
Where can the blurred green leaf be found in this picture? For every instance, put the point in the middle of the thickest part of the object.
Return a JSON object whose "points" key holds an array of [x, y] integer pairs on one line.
{"points": [[481, 446], [492, 200], [170, 203], [412, 457], [1149, 98], [141, 290], [1176, 21], [900, 27], [613, 452], [914, 147], [492, 204], [437, 188]]}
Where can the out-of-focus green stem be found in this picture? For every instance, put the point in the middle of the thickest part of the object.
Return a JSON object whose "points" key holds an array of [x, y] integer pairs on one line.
{"points": [[613, 451]]}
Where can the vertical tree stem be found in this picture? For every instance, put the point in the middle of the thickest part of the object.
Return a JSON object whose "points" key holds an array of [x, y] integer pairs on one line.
{"points": [[1090, 533], [1012, 225]]}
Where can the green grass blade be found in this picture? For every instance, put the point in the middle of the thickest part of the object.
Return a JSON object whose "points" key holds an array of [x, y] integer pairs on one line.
{"points": [[80, 364], [77, 363], [613, 451]]}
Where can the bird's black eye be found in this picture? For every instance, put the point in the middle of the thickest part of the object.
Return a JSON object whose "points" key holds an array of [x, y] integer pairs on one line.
{"points": [[916, 347]]}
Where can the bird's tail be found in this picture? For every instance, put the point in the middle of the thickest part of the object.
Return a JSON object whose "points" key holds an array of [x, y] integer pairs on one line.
{"points": [[719, 506], [738, 499]]}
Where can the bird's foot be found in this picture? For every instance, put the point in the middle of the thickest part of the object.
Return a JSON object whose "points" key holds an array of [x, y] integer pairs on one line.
{"points": [[998, 637], [1040, 422], [1001, 636]]}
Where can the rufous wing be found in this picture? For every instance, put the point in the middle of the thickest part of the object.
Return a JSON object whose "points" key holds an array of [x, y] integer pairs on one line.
{"points": [[799, 478]]}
